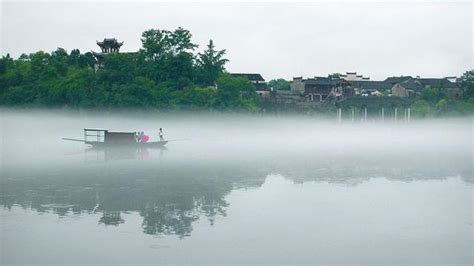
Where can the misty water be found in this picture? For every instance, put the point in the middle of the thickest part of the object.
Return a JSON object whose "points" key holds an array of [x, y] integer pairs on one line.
{"points": [[244, 189]]}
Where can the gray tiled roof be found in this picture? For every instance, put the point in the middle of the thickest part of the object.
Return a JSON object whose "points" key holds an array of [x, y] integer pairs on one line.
{"points": [[372, 85], [249, 76], [394, 80], [437, 83], [109, 42], [411, 84], [321, 81]]}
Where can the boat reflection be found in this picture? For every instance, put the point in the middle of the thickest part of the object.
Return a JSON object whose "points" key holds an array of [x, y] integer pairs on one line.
{"points": [[97, 154]]}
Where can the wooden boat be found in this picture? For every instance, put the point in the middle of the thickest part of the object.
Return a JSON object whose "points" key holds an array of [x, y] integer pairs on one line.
{"points": [[103, 138], [150, 144]]}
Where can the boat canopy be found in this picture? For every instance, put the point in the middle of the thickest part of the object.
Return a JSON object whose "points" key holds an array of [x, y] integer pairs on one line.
{"points": [[94, 134], [106, 136]]}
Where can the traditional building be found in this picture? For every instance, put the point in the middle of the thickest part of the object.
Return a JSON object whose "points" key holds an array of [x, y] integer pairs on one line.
{"points": [[371, 88], [451, 89], [321, 88], [412, 87], [453, 79], [288, 97], [107, 46], [352, 76], [395, 80], [407, 88]]}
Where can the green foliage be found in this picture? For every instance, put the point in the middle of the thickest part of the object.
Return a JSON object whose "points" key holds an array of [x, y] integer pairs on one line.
{"points": [[467, 84], [168, 73], [446, 107], [167, 56], [236, 93], [432, 95], [421, 108], [211, 64], [164, 74], [279, 84], [198, 98], [436, 102]]}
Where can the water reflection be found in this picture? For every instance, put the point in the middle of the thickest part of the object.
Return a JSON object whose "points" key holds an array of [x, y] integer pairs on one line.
{"points": [[169, 198], [172, 195], [101, 154]]}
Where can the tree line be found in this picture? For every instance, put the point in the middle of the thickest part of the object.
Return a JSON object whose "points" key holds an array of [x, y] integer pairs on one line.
{"points": [[166, 73]]}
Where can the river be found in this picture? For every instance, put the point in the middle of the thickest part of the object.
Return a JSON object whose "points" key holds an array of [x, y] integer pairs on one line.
{"points": [[236, 189]]}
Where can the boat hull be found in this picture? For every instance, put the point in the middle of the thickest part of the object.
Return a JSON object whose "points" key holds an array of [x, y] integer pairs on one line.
{"points": [[151, 144]]}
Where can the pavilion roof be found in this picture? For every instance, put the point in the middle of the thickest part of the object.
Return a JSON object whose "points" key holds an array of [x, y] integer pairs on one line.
{"points": [[109, 43]]}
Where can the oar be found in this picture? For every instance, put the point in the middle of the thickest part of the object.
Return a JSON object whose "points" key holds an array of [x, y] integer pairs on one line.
{"points": [[176, 139], [80, 140]]}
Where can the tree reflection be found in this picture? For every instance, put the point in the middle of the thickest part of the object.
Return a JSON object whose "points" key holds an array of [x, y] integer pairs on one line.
{"points": [[170, 198], [168, 220], [111, 218]]}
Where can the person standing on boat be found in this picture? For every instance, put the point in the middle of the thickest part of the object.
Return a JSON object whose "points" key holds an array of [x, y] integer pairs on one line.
{"points": [[137, 136], [161, 134]]}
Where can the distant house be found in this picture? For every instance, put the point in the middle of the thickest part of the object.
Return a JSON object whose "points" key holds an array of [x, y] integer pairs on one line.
{"points": [[451, 89], [395, 80], [407, 88], [319, 89], [453, 79], [352, 76], [412, 87], [258, 81], [288, 97], [371, 88]]}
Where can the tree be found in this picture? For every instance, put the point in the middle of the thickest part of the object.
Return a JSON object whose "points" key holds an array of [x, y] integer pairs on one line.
{"points": [[117, 68], [181, 41], [158, 43], [168, 56], [279, 84], [210, 64], [153, 43], [138, 92], [467, 84], [87, 60], [432, 95], [421, 108], [235, 93], [195, 98]]}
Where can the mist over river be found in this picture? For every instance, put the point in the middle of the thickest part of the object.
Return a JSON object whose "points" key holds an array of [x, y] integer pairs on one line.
{"points": [[235, 189]]}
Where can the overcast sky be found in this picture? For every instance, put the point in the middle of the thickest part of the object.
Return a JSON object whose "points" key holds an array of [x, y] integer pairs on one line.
{"points": [[275, 39]]}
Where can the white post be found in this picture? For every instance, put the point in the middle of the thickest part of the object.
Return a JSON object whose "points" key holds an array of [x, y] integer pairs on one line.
{"points": [[408, 115], [352, 115], [405, 114], [396, 114], [383, 115]]}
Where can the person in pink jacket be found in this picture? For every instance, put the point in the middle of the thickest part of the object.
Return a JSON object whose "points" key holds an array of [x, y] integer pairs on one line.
{"points": [[144, 138]]}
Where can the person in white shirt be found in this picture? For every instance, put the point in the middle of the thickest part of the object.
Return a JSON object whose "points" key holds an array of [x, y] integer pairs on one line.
{"points": [[161, 134]]}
